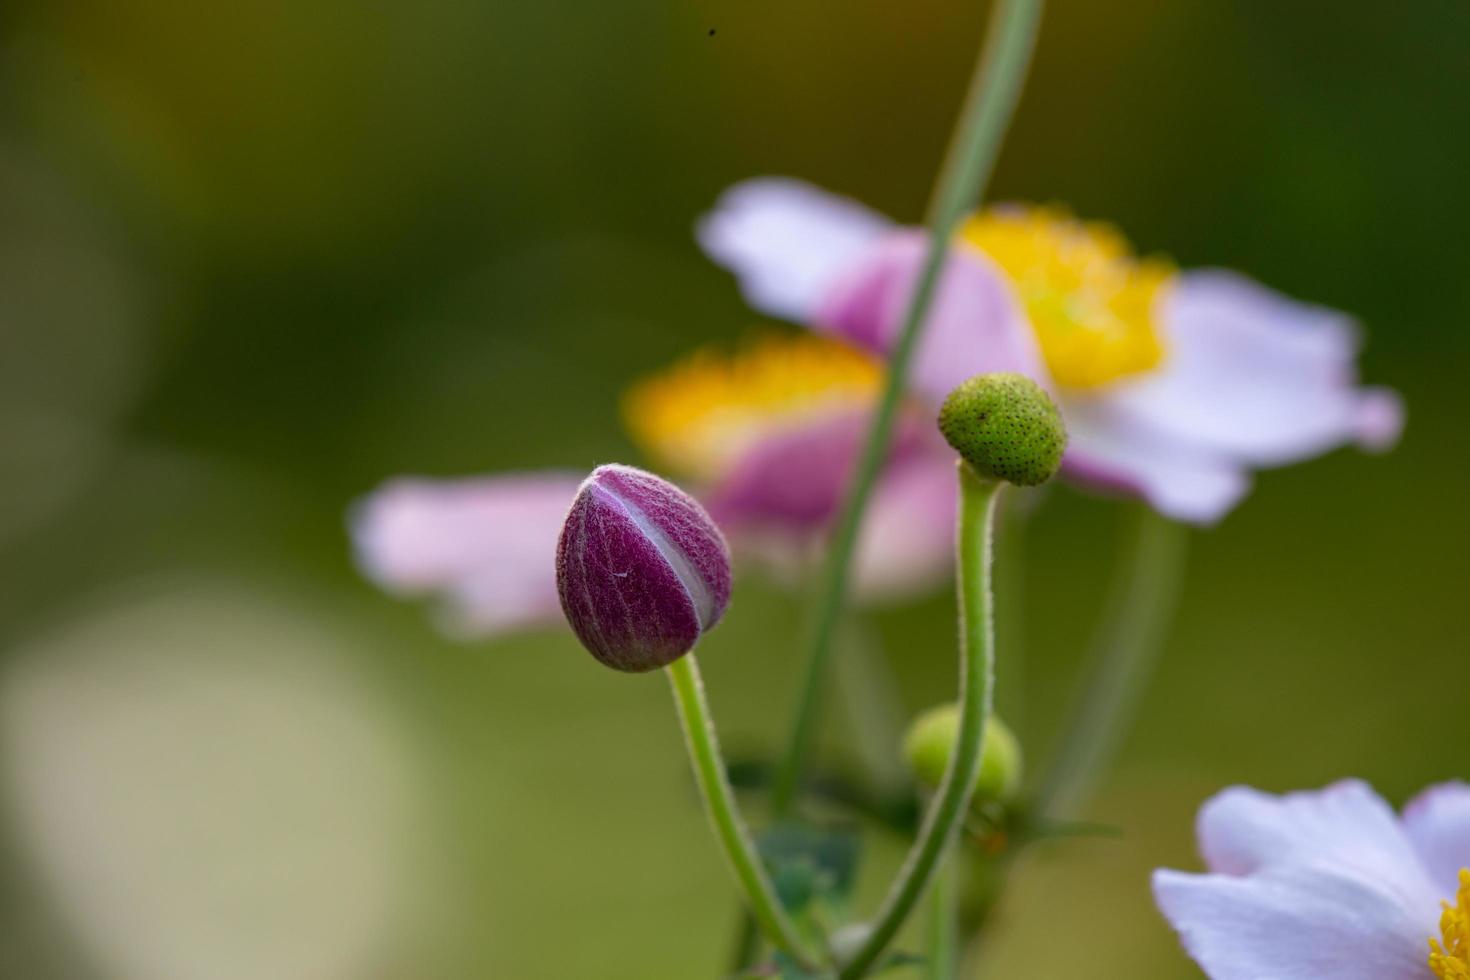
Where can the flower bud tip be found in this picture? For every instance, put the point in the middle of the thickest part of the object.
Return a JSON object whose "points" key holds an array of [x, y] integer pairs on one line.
{"points": [[641, 569]]}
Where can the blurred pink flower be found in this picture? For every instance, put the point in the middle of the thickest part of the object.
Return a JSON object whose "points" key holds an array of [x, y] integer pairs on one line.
{"points": [[1328, 884], [485, 545], [1174, 385], [766, 437], [769, 436]]}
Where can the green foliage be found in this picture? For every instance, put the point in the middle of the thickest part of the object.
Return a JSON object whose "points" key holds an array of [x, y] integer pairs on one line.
{"points": [[813, 868], [782, 968]]}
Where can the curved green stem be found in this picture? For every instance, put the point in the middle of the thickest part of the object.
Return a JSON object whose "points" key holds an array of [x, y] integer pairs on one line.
{"points": [[989, 104], [747, 943], [977, 669], [724, 816], [1129, 639], [1142, 605]]}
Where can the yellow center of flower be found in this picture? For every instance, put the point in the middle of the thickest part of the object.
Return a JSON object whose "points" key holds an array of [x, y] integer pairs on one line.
{"points": [[1449, 956], [1090, 300], [697, 416]]}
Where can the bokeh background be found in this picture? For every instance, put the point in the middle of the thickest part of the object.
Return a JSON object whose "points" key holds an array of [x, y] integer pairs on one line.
{"points": [[257, 257]]}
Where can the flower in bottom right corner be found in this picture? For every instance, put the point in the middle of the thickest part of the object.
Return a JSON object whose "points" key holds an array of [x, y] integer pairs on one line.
{"points": [[1327, 885]]}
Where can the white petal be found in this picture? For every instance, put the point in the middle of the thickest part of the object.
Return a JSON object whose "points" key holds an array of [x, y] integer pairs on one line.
{"points": [[488, 545], [1261, 377], [1298, 922], [1438, 823], [1181, 481], [1242, 830], [787, 242]]}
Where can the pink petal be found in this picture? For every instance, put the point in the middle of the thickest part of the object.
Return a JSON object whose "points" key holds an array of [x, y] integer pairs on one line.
{"points": [[974, 324], [487, 545], [1257, 376], [1108, 450], [779, 501], [906, 547], [1298, 922], [787, 242], [1438, 823], [794, 479]]}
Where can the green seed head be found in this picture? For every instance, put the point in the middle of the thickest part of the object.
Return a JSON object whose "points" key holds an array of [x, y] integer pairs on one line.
{"points": [[1006, 427], [931, 738]]}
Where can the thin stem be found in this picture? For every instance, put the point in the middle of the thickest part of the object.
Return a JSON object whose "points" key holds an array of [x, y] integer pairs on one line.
{"points": [[989, 104], [1144, 597], [977, 669], [724, 815], [1130, 637], [747, 942], [943, 922]]}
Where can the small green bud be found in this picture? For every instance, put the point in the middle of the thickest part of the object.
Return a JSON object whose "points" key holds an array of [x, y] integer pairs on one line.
{"points": [[931, 738], [1006, 427]]}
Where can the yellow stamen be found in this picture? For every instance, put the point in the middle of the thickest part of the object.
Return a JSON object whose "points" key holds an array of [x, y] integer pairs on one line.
{"points": [[697, 416], [1449, 956], [1090, 300]]}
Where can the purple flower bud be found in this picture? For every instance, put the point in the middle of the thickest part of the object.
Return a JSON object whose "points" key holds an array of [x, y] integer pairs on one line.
{"points": [[641, 569]]}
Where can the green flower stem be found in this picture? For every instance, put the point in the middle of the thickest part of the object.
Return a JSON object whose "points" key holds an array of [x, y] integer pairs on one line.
{"points": [[724, 816], [943, 923], [1144, 597], [989, 104], [977, 669], [1130, 637], [747, 943]]}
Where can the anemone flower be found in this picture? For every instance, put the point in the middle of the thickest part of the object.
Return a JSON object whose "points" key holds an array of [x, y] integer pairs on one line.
{"points": [[1327, 885], [1175, 385], [766, 437], [769, 436]]}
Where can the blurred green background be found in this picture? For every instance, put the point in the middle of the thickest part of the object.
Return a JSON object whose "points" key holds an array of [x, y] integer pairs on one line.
{"points": [[255, 258]]}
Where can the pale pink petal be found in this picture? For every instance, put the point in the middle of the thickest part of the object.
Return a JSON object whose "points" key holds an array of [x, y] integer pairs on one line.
{"points": [[787, 242], [486, 545], [794, 479], [779, 501], [1242, 830], [1438, 823], [974, 324], [1256, 375], [906, 546], [791, 479], [1299, 922], [1181, 481]]}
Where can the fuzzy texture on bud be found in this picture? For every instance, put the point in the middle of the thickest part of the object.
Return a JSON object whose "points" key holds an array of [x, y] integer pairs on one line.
{"points": [[930, 740], [641, 569], [1006, 427]]}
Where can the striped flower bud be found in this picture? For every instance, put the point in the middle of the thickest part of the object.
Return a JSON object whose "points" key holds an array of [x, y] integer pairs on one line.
{"points": [[641, 569]]}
